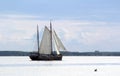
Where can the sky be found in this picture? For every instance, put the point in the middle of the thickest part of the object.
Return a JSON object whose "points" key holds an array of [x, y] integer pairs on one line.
{"points": [[82, 25]]}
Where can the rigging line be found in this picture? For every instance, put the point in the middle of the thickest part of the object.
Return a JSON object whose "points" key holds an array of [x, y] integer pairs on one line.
{"points": [[34, 47]]}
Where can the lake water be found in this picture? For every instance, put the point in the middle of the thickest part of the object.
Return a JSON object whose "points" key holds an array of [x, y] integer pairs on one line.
{"points": [[69, 66]]}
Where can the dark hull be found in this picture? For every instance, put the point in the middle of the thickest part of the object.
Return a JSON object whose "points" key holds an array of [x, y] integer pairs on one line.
{"points": [[36, 56]]}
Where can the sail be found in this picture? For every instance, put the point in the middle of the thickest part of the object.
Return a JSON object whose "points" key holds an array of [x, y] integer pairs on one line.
{"points": [[55, 45], [45, 46], [58, 43]]}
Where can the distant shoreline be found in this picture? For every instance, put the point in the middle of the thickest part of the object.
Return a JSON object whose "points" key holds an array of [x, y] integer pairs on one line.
{"points": [[64, 53]]}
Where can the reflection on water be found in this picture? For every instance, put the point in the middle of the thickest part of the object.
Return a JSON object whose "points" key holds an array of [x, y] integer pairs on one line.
{"points": [[69, 66]]}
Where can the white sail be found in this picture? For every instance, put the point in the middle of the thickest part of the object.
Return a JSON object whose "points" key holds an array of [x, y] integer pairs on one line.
{"points": [[58, 43], [55, 45], [45, 46]]}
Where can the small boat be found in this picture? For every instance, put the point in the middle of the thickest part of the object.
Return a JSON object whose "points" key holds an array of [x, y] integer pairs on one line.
{"points": [[49, 47]]}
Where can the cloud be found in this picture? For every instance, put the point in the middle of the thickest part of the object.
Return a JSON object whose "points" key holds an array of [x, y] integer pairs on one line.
{"points": [[17, 32], [89, 35], [13, 16]]}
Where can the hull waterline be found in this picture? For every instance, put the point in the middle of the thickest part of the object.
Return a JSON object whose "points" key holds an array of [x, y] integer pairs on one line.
{"points": [[38, 57]]}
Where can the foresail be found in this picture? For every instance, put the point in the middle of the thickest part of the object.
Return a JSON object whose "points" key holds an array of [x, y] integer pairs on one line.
{"points": [[55, 47], [58, 42], [45, 46]]}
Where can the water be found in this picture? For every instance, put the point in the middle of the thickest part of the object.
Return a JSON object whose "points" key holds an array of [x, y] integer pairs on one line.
{"points": [[69, 66]]}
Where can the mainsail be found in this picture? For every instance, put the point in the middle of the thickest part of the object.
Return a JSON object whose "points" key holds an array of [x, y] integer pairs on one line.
{"points": [[45, 46]]}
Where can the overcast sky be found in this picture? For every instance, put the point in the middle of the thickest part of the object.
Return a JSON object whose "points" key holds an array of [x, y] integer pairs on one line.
{"points": [[82, 25]]}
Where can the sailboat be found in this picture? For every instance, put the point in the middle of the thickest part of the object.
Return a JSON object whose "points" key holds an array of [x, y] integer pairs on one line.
{"points": [[49, 47]]}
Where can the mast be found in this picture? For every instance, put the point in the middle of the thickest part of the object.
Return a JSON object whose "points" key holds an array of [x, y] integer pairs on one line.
{"points": [[51, 36], [38, 37]]}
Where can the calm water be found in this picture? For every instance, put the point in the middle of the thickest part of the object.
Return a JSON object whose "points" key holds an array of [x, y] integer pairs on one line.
{"points": [[69, 66]]}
